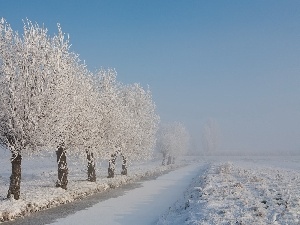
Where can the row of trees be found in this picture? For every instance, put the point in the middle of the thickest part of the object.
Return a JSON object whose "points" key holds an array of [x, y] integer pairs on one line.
{"points": [[50, 100], [172, 141]]}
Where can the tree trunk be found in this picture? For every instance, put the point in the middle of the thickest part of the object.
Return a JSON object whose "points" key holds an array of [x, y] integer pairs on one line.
{"points": [[173, 160], [164, 159], [112, 166], [62, 180], [15, 178], [124, 165], [169, 160], [91, 166]]}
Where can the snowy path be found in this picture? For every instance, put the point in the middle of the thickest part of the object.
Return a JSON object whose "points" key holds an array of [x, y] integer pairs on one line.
{"points": [[142, 205]]}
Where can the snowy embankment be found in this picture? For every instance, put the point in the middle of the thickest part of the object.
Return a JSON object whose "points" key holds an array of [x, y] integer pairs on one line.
{"points": [[240, 192], [38, 191]]}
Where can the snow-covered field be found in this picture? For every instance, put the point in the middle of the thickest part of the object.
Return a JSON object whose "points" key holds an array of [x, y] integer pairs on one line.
{"points": [[39, 174], [243, 191], [232, 190]]}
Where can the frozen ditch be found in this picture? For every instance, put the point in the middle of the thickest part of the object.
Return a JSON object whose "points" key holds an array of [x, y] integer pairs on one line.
{"points": [[38, 191], [142, 205]]}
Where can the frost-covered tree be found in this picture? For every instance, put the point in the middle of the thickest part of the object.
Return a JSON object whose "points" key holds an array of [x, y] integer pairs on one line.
{"points": [[132, 122], [139, 131], [40, 96], [172, 141], [88, 127], [68, 110], [109, 118], [49, 99], [99, 117], [83, 128], [23, 71], [210, 136]]}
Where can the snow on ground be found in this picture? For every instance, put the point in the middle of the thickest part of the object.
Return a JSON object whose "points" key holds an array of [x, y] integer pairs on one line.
{"points": [[244, 191], [227, 190], [39, 175], [142, 205]]}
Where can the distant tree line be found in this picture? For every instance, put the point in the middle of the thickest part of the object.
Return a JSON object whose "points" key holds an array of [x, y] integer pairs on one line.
{"points": [[172, 141]]}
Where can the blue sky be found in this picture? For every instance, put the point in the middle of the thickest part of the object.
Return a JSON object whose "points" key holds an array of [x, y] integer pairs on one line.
{"points": [[235, 61]]}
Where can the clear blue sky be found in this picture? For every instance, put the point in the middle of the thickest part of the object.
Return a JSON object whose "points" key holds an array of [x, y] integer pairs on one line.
{"points": [[235, 61]]}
